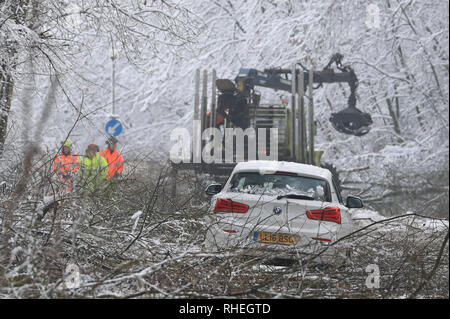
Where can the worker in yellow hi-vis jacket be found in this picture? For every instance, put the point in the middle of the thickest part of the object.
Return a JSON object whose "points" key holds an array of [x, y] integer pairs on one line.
{"points": [[93, 171]]}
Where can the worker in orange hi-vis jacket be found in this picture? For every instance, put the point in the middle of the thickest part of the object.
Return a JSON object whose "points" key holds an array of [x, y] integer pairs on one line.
{"points": [[66, 164], [114, 159]]}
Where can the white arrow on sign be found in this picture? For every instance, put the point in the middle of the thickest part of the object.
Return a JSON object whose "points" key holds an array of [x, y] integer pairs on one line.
{"points": [[112, 129]]}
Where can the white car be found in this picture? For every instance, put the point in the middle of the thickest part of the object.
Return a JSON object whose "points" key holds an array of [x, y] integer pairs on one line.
{"points": [[279, 209]]}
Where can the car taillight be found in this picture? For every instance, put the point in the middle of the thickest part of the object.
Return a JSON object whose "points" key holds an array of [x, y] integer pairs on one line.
{"points": [[331, 214], [228, 206]]}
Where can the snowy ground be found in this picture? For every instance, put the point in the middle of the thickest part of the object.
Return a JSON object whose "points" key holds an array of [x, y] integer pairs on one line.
{"points": [[152, 246]]}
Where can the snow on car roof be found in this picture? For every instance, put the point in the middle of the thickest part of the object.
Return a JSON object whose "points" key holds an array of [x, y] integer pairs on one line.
{"points": [[267, 167]]}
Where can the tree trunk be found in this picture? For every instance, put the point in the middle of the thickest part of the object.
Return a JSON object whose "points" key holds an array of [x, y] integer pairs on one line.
{"points": [[6, 89], [17, 11]]}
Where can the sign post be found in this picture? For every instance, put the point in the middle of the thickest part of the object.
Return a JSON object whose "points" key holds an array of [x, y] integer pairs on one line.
{"points": [[113, 127]]}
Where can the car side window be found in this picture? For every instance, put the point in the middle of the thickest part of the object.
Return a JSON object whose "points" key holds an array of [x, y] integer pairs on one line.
{"points": [[237, 182], [338, 192], [241, 183]]}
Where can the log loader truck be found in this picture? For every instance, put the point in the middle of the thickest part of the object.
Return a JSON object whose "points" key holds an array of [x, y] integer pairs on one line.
{"points": [[238, 106]]}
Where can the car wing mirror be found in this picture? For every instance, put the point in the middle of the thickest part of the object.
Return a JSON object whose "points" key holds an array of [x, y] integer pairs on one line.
{"points": [[354, 202], [213, 189]]}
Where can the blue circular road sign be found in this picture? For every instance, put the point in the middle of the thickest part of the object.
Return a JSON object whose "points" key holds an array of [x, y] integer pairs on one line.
{"points": [[113, 127]]}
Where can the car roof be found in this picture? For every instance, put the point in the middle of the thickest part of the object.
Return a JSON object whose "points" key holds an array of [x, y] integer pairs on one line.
{"points": [[267, 167]]}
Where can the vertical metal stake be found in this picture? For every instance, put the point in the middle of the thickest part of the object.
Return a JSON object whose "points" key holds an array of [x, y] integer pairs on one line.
{"points": [[204, 100], [196, 145], [113, 56], [293, 92], [301, 118], [311, 118], [196, 94], [213, 99]]}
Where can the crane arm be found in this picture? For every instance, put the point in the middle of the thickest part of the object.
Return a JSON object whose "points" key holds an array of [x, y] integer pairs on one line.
{"points": [[234, 98]]}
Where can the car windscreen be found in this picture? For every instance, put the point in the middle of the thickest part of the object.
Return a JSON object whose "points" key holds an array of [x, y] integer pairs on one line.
{"points": [[280, 184]]}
